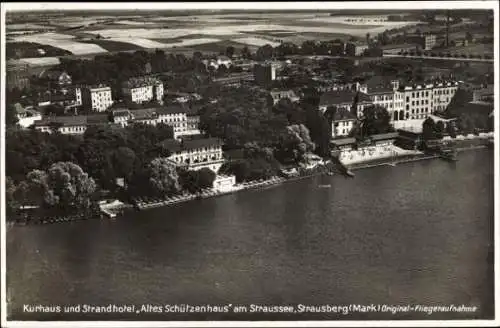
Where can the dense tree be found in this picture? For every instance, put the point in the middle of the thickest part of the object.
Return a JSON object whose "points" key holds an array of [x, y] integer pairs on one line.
{"points": [[320, 130], [123, 162], [451, 129], [245, 53], [196, 181], [230, 51], [429, 129], [163, 177], [65, 185], [11, 115], [376, 120], [439, 129], [265, 52]]}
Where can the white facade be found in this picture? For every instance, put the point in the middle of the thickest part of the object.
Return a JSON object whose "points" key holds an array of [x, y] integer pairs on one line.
{"points": [[97, 99], [423, 100], [144, 93], [78, 96], [28, 118], [224, 183], [392, 101], [65, 129], [210, 157], [442, 95], [341, 128]]}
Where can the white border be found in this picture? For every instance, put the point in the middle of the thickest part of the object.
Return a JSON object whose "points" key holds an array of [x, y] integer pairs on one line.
{"points": [[257, 6]]}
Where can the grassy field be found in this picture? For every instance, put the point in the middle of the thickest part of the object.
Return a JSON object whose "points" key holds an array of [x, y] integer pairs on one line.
{"points": [[30, 50], [114, 45], [221, 46], [480, 49]]}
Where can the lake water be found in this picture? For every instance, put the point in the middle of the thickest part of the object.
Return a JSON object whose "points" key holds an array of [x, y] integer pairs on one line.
{"points": [[417, 233]]}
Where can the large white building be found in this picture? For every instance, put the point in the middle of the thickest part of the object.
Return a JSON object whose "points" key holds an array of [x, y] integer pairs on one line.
{"points": [[26, 116], [95, 98], [175, 116], [426, 99], [195, 154], [143, 89], [342, 123], [389, 97]]}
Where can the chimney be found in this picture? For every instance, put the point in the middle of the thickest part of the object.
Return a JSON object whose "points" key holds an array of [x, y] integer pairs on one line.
{"points": [[395, 85], [447, 27]]}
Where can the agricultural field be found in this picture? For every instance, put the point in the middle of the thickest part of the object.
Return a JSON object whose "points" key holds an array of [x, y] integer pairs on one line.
{"points": [[88, 35]]}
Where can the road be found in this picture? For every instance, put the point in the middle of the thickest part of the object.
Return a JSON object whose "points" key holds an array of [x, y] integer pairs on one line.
{"points": [[443, 58]]}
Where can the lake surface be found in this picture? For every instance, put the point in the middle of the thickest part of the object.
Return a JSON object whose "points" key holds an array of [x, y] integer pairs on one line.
{"points": [[417, 233]]}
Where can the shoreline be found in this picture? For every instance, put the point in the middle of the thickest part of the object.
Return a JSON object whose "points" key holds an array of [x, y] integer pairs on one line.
{"points": [[251, 186]]}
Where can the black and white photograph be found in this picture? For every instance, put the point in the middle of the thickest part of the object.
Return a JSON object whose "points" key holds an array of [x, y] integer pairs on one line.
{"points": [[249, 164]]}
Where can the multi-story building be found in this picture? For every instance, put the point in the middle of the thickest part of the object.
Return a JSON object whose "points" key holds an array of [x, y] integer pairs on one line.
{"points": [[342, 123], [425, 41], [63, 124], [26, 116], [143, 89], [355, 102], [395, 49], [326, 85], [388, 97], [355, 48], [483, 93], [423, 100], [265, 73], [278, 94], [95, 98], [182, 122], [443, 93], [195, 154]]}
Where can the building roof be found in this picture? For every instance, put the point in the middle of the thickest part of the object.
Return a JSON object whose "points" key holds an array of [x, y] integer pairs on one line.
{"points": [[138, 82], [343, 115], [337, 97], [398, 46], [343, 141], [190, 144], [358, 43], [64, 120], [384, 136], [380, 90], [97, 119], [120, 112], [172, 109], [144, 113], [223, 57]]}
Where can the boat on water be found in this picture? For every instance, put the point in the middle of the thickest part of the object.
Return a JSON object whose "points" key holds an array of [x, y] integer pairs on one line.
{"points": [[449, 155], [325, 186], [391, 164], [349, 173]]}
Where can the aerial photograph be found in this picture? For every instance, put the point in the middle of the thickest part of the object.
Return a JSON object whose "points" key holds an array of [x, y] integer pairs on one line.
{"points": [[249, 164]]}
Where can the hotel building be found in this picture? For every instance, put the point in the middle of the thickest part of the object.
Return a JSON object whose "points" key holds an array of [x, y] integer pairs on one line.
{"points": [[195, 154], [95, 98], [143, 89]]}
